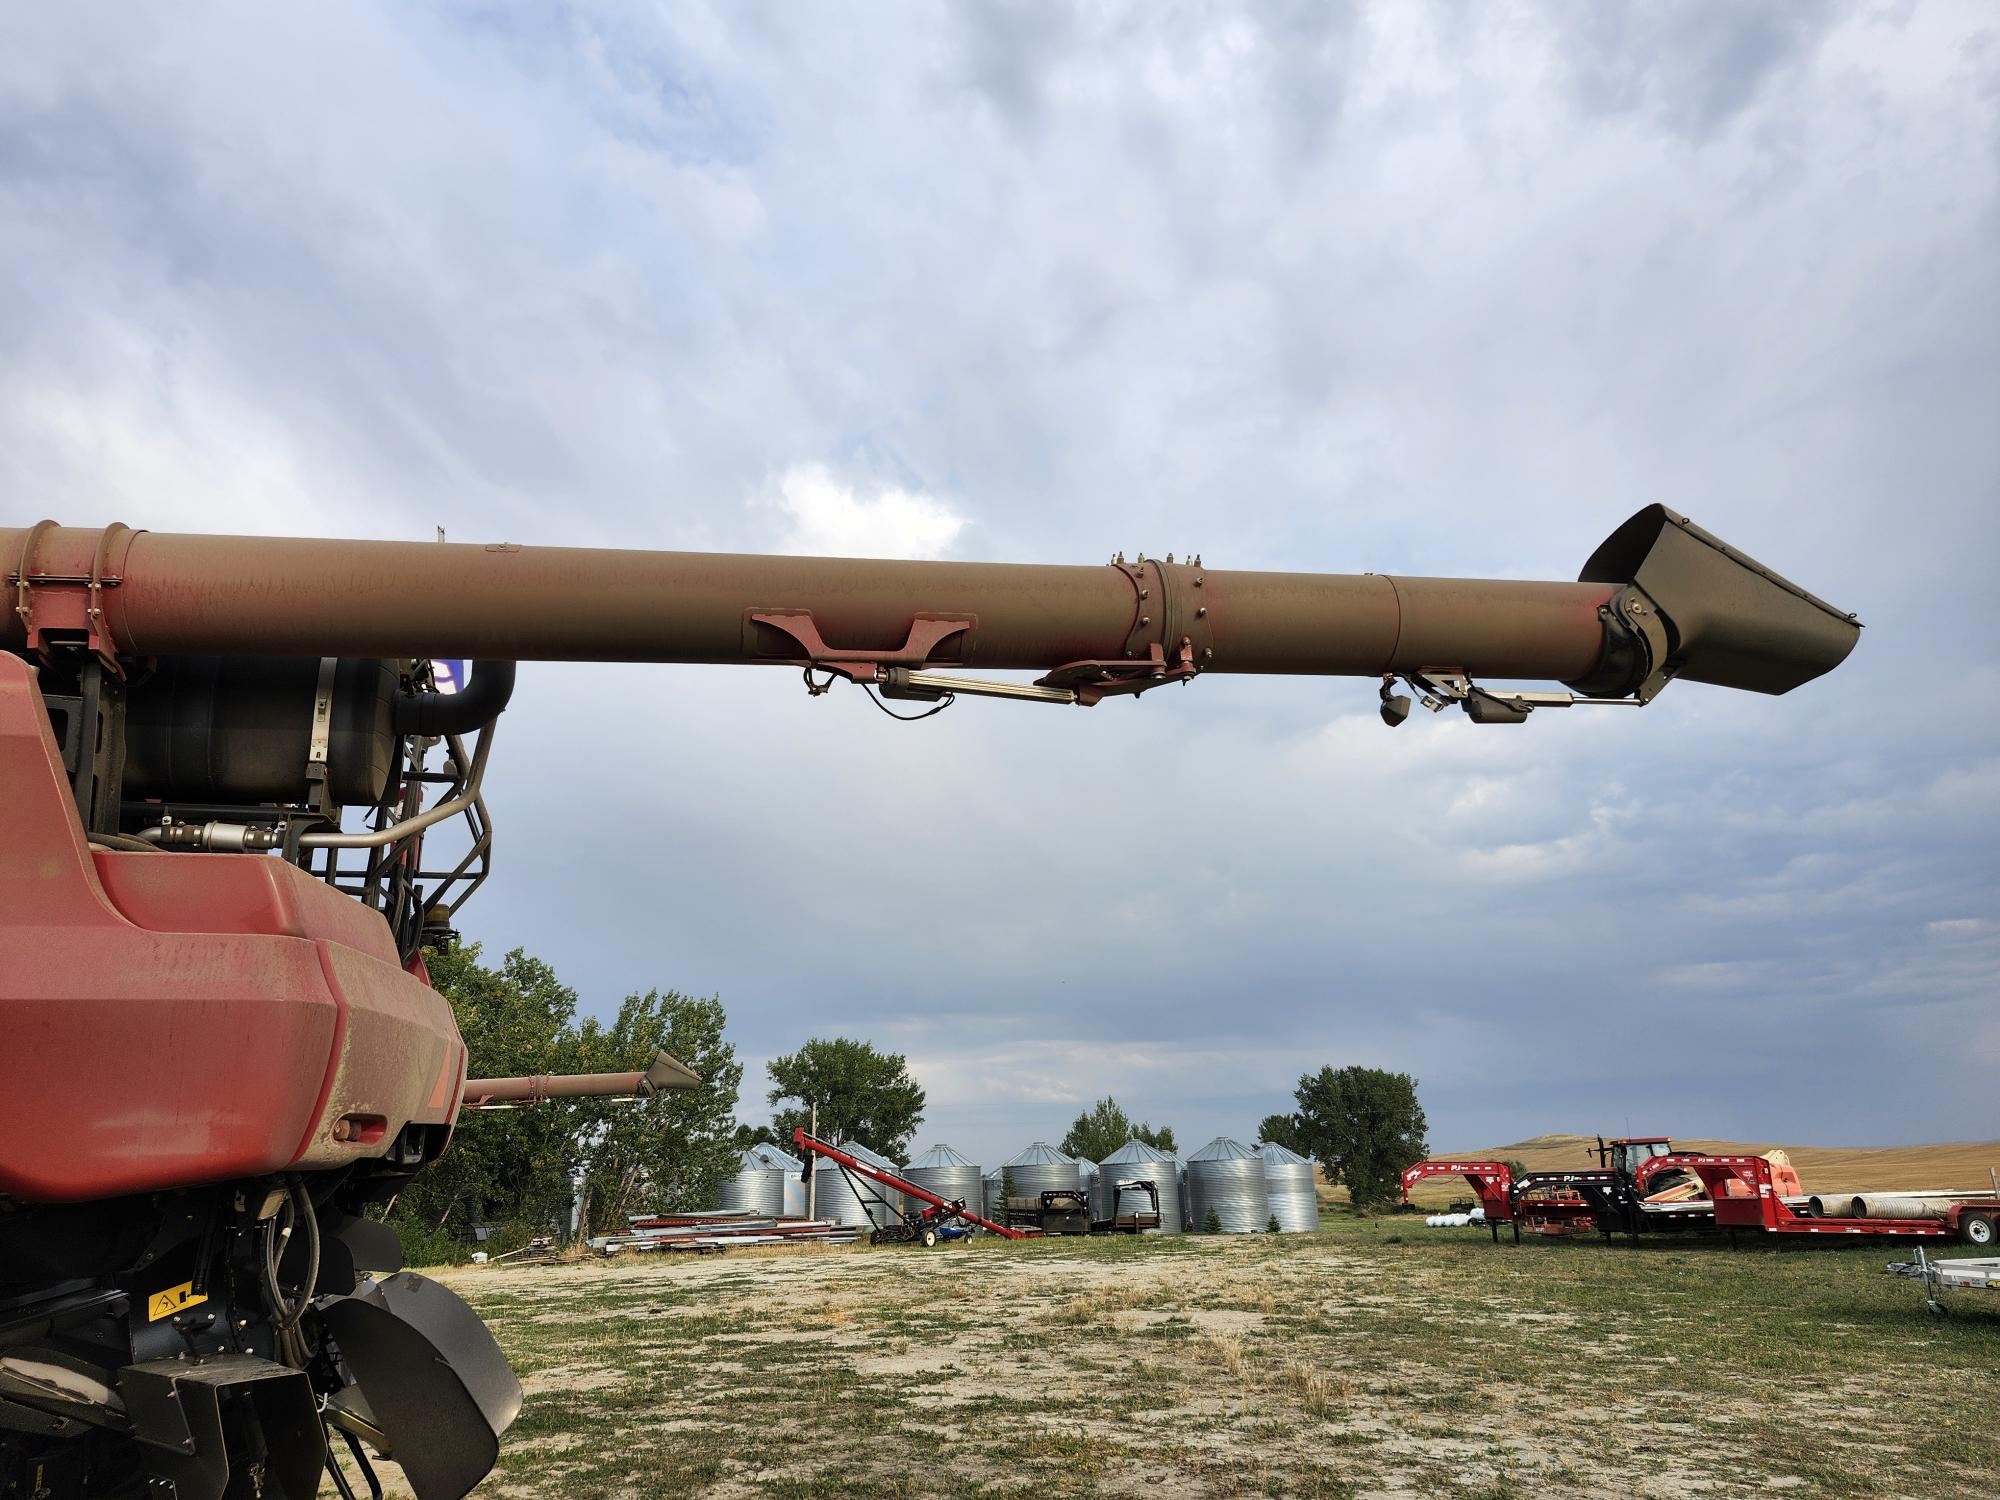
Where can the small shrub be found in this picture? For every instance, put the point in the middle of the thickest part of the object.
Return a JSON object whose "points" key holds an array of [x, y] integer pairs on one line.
{"points": [[1212, 1224], [1272, 1227], [424, 1245]]}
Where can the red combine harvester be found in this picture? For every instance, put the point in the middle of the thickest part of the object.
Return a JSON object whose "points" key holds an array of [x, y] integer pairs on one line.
{"points": [[220, 762]]}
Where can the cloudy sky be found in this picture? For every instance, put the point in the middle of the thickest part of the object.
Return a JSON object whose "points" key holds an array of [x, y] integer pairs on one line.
{"points": [[1448, 290]]}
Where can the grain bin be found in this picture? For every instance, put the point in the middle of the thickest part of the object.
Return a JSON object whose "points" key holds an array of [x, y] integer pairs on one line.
{"points": [[1228, 1177], [943, 1171], [793, 1205], [834, 1196], [1086, 1179], [1041, 1169], [1135, 1160], [1288, 1184], [758, 1185]]}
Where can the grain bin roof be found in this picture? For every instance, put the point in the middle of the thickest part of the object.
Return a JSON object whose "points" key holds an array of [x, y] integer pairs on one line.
{"points": [[1222, 1148], [1283, 1156], [1133, 1151], [765, 1156], [1042, 1154], [940, 1155]]}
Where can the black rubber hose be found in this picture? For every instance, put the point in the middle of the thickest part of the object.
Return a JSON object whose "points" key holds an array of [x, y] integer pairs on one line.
{"points": [[473, 706]]}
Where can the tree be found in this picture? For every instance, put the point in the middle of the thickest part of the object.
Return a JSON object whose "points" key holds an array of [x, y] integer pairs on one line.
{"points": [[669, 1152], [863, 1095], [506, 1164], [1104, 1127], [1213, 1223], [745, 1136], [520, 1165], [1283, 1130], [1364, 1126]]}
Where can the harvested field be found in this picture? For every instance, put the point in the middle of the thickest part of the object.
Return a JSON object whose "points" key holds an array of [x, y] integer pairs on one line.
{"points": [[1375, 1358]]}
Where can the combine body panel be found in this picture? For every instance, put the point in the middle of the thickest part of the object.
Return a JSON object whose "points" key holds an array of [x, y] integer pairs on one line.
{"points": [[259, 1020], [222, 757]]}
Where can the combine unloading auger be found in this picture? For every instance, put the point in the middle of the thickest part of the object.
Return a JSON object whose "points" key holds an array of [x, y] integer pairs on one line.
{"points": [[214, 1063]]}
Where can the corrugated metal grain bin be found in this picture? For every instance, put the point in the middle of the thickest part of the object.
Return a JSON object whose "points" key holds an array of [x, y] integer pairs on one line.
{"points": [[943, 1171], [760, 1183], [1041, 1169], [793, 1168], [1228, 1177], [1288, 1184], [834, 1196], [1086, 1178], [1135, 1160]]}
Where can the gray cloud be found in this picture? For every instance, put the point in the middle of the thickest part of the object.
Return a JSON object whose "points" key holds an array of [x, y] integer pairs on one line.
{"points": [[1433, 291]]}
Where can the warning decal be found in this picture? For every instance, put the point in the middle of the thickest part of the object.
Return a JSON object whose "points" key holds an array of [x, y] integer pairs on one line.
{"points": [[172, 1300]]}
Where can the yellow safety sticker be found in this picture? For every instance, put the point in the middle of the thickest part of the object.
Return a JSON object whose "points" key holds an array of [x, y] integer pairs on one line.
{"points": [[172, 1300]]}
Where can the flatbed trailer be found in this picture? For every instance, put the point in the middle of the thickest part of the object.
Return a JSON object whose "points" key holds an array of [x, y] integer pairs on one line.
{"points": [[1746, 1198]]}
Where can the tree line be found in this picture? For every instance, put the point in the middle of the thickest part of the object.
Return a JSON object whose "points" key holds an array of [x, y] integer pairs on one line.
{"points": [[600, 1161]]}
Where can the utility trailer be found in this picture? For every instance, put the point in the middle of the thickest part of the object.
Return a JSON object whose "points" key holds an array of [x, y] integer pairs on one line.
{"points": [[1746, 1196], [939, 1219], [1939, 1275]]}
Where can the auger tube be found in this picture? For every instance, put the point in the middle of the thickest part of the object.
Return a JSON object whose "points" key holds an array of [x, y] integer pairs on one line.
{"points": [[138, 593]]}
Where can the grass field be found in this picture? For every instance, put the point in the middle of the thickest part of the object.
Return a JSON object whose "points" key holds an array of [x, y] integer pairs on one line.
{"points": [[1374, 1358]]}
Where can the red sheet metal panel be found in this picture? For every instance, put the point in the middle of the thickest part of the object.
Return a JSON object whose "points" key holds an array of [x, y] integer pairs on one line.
{"points": [[139, 1059]]}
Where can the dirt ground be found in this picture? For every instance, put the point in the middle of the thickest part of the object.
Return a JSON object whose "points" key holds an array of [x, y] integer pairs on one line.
{"points": [[1376, 1358]]}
